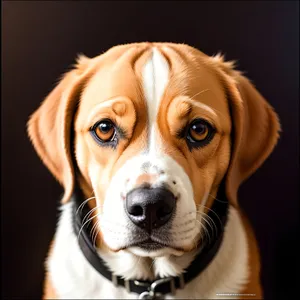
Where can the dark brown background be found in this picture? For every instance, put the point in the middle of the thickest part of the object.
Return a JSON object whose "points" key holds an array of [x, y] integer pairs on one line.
{"points": [[41, 39]]}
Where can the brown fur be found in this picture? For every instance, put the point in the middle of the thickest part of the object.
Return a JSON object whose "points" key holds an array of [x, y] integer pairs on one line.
{"points": [[49, 291], [110, 86]]}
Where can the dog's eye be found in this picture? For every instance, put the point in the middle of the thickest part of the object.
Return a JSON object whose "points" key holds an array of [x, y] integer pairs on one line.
{"points": [[104, 130], [199, 133]]}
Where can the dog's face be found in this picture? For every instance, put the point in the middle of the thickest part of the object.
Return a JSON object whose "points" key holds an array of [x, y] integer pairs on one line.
{"points": [[153, 141]]}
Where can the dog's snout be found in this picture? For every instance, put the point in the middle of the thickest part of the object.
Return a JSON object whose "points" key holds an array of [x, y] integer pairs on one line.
{"points": [[150, 208]]}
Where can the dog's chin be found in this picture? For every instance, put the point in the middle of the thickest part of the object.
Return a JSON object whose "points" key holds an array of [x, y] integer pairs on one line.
{"points": [[154, 251], [150, 249]]}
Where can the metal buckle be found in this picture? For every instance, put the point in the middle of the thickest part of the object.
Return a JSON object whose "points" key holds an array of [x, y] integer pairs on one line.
{"points": [[151, 293]]}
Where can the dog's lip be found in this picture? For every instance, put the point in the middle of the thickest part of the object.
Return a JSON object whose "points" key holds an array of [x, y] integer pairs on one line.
{"points": [[148, 241], [159, 246], [147, 244], [150, 244]]}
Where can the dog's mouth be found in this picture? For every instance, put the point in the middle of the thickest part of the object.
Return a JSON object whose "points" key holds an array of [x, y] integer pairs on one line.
{"points": [[153, 248], [150, 245]]}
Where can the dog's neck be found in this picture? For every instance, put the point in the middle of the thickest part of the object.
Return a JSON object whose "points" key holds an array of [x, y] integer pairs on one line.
{"points": [[131, 266]]}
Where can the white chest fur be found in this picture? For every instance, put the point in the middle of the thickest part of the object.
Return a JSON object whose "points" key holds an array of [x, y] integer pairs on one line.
{"points": [[73, 277]]}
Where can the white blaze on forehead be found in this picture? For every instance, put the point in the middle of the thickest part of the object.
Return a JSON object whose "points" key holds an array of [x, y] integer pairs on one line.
{"points": [[155, 79]]}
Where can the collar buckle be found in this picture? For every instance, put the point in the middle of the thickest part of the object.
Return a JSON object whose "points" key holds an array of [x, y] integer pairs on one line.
{"points": [[152, 289]]}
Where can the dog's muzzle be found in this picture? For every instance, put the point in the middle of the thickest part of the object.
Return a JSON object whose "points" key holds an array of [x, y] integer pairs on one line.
{"points": [[150, 208]]}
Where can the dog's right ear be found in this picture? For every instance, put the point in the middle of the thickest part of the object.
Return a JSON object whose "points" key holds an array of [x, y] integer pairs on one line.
{"points": [[255, 127], [49, 127]]}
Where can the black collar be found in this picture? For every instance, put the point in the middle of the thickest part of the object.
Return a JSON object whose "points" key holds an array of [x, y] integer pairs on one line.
{"points": [[161, 286]]}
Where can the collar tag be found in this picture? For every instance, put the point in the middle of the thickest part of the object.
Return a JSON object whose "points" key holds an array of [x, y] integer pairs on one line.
{"points": [[152, 293]]}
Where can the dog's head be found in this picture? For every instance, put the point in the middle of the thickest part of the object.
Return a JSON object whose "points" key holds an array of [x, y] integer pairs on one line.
{"points": [[156, 128]]}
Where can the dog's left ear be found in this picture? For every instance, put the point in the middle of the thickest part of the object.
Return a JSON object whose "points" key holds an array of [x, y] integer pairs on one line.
{"points": [[255, 129], [49, 127]]}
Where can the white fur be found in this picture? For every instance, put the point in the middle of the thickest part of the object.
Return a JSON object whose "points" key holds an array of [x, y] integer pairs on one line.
{"points": [[74, 278], [116, 227], [155, 80]]}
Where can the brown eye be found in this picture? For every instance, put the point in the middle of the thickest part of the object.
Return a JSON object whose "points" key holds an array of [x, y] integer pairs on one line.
{"points": [[200, 133], [104, 130]]}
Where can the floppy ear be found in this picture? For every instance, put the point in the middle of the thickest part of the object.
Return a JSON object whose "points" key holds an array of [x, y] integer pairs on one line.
{"points": [[255, 131], [49, 127]]}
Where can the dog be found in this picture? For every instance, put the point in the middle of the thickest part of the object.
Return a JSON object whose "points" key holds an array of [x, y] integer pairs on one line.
{"points": [[151, 142]]}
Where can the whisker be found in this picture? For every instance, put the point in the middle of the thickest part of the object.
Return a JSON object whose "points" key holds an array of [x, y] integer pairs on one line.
{"points": [[90, 219], [199, 93], [205, 230], [89, 213], [205, 216], [95, 234], [217, 198], [207, 234], [83, 203], [208, 223], [94, 229], [207, 90], [211, 211]]}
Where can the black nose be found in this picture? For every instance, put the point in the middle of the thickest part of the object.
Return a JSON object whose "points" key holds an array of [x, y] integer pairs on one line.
{"points": [[150, 208]]}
